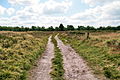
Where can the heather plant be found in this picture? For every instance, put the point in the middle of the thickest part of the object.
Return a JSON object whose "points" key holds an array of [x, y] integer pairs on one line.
{"points": [[18, 53]]}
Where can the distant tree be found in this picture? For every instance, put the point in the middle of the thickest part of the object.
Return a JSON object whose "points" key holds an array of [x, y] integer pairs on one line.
{"points": [[61, 27], [70, 27], [57, 29], [108, 28], [50, 28], [38, 28], [22, 28], [16, 29], [81, 28], [118, 28], [43, 29], [33, 28], [90, 28], [26, 29]]}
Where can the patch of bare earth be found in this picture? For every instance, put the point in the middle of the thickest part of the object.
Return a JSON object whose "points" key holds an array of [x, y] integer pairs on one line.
{"points": [[74, 66], [44, 64]]}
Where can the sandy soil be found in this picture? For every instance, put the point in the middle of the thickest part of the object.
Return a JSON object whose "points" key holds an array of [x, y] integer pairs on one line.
{"points": [[44, 64], [75, 67]]}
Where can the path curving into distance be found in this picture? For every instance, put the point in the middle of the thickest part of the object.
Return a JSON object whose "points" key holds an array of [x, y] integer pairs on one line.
{"points": [[44, 64], [74, 66]]}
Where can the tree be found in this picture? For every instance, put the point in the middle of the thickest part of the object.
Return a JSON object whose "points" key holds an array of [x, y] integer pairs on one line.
{"points": [[81, 28], [101, 28], [26, 29], [57, 29], [22, 28], [38, 28], [43, 29], [90, 28], [50, 29], [61, 27], [70, 27], [118, 27], [33, 28], [109, 28]]}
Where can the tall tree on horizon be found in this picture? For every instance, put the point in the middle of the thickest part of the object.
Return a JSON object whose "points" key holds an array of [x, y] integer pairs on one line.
{"points": [[61, 27]]}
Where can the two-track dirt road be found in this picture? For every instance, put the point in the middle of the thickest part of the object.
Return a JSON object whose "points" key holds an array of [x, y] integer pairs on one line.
{"points": [[74, 66]]}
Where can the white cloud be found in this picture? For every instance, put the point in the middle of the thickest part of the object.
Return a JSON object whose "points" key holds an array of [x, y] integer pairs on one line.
{"points": [[49, 7], [23, 2], [38, 21], [88, 14], [98, 2], [43, 13], [10, 11], [38, 13], [4, 21], [53, 12], [52, 6], [2, 10], [108, 14], [111, 11]]}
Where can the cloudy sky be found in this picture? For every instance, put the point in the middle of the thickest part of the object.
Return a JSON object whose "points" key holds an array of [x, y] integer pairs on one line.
{"points": [[53, 12]]}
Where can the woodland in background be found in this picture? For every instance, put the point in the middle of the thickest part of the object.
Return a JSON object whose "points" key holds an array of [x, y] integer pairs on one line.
{"points": [[60, 28]]}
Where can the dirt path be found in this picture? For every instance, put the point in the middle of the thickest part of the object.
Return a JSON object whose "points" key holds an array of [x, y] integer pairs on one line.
{"points": [[41, 72], [75, 67]]}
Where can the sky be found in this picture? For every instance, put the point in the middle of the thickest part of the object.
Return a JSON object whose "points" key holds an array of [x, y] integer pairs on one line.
{"points": [[54, 12]]}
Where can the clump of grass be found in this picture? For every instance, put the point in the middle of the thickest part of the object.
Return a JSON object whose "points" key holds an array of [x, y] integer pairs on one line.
{"points": [[114, 44], [57, 67]]}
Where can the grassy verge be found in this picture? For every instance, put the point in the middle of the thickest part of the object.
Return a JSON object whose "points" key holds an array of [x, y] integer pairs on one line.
{"points": [[18, 52], [57, 68], [98, 57]]}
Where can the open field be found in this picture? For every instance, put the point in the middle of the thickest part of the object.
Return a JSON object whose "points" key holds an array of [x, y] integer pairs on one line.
{"points": [[63, 55], [59, 39], [18, 52], [101, 51]]}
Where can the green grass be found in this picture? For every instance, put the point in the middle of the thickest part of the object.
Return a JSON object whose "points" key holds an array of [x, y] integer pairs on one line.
{"points": [[18, 53], [98, 58], [57, 65]]}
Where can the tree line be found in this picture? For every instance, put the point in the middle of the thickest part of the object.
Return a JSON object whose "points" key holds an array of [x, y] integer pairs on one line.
{"points": [[60, 28]]}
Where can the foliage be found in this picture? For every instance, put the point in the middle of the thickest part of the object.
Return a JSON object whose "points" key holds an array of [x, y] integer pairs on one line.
{"points": [[17, 53], [60, 28], [70, 27], [50, 29]]}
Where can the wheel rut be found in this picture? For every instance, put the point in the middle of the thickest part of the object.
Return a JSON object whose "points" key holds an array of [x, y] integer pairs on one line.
{"points": [[44, 64]]}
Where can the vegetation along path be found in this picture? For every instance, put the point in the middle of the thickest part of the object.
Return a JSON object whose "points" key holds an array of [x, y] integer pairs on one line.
{"points": [[41, 72], [74, 66]]}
